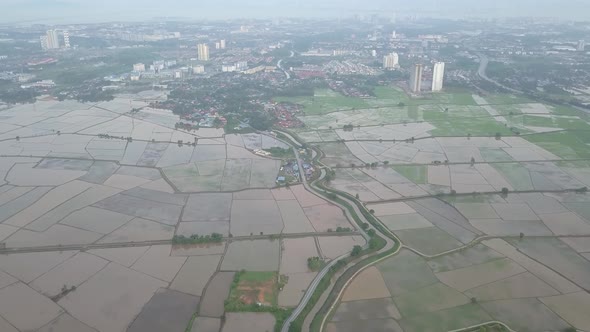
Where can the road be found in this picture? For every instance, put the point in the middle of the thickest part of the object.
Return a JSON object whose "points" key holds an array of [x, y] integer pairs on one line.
{"points": [[280, 65], [314, 284]]}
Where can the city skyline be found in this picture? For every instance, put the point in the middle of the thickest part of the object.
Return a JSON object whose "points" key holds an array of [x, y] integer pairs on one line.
{"points": [[77, 11]]}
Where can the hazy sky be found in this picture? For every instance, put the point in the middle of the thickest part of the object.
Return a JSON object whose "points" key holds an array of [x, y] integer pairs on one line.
{"points": [[75, 11]]}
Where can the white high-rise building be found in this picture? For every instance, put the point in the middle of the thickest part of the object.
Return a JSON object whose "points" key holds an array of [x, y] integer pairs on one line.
{"points": [[43, 40], [66, 38], [373, 53], [217, 45], [52, 39], [391, 61], [393, 35], [438, 75], [581, 45], [416, 78], [222, 44], [203, 52]]}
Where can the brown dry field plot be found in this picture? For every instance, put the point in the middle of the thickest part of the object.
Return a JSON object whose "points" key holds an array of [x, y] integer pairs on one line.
{"points": [[249, 322], [255, 287], [212, 302]]}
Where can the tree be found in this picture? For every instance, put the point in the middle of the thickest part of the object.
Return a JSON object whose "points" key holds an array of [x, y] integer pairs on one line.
{"points": [[498, 136], [356, 250], [472, 161], [371, 232], [473, 300], [521, 235], [504, 192], [468, 136], [365, 226], [357, 196], [373, 243], [371, 211], [386, 162]]}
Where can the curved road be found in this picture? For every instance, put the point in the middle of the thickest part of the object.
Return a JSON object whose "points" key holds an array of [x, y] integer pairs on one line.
{"points": [[312, 287], [481, 71]]}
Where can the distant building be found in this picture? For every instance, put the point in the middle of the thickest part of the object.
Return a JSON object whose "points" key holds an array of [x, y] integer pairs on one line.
{"points": [[393, 35], [581, 45], [228, 68], [198, 69], [222, 43], [241, 65], [66, 39], [391, 61], [438, 74], [139, 67], [416, 78], [203, 52], [51, 40], [44, 44], [374, 53], [217, 45]]}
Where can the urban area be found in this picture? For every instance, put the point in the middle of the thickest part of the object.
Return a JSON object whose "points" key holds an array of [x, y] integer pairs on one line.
{"points": [[370, 173]]}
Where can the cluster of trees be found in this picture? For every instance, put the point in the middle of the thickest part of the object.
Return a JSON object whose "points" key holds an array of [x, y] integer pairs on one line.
{"points": [[348, 127], [315, 263], [356, 250], [195, 239], [18, 96]]}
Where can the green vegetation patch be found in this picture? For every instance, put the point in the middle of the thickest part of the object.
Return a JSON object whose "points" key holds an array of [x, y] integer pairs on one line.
{"points": [[406, 271], [506, 99], [448, 125], [430, 298], [538, 121], [445, 320], [565, 144], [430, 240], [475, 255], [417, 174], [325, 101], [494, 154], [518, 175], [281, 153]]}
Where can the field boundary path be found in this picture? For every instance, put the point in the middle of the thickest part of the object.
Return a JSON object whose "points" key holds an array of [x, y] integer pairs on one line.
{"points": [[83, 247]]}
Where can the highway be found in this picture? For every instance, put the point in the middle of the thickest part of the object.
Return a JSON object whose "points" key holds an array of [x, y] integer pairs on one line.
{"points": [[483, 66], [280, 65]]}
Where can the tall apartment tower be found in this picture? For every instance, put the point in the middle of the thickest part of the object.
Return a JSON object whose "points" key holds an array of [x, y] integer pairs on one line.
{"points": [[203, 52], [52, 39], [438, 74], [222, 44], [416, 78], [66, 38], [391, 61], [581, 45]]}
